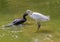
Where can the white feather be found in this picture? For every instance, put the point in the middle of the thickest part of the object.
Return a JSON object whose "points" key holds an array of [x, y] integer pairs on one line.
{"points": [[38, 16]]}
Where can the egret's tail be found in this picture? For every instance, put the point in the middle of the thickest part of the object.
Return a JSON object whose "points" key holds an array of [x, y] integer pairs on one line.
{"points": [[48, 17]]}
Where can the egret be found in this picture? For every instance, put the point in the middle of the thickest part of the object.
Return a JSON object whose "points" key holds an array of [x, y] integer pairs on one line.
{"points": [[37, 17], [17, 22]]}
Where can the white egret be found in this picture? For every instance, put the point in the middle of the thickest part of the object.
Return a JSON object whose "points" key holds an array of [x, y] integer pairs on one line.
{"points": [[38, 17]]}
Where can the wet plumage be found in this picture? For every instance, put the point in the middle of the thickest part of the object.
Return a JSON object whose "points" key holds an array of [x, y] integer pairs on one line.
{"points": [[20, 21]]}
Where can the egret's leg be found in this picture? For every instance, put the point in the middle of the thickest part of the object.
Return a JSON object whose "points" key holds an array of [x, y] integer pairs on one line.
{"points": [[39, 25]]}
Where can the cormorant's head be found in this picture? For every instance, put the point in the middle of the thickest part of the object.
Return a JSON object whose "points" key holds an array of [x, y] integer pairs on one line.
{"points": [[25, 14]]}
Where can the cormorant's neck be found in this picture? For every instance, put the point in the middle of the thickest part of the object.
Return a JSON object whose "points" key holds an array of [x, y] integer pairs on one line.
{"points": [[24, 17]]}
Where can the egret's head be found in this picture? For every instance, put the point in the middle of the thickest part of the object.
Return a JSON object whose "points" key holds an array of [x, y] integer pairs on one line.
{"points": [[28, 11]]}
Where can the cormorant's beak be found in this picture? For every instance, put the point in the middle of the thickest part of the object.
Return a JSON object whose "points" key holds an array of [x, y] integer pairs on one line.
{"points": [[26, 14]]}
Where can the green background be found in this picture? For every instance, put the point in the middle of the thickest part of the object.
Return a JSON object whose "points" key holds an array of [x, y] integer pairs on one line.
{"points": [[12, 9]]}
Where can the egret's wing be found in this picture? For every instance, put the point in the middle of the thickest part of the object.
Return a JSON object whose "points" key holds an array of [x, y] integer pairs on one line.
{"points": [[39, 16], [35, 16]]}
